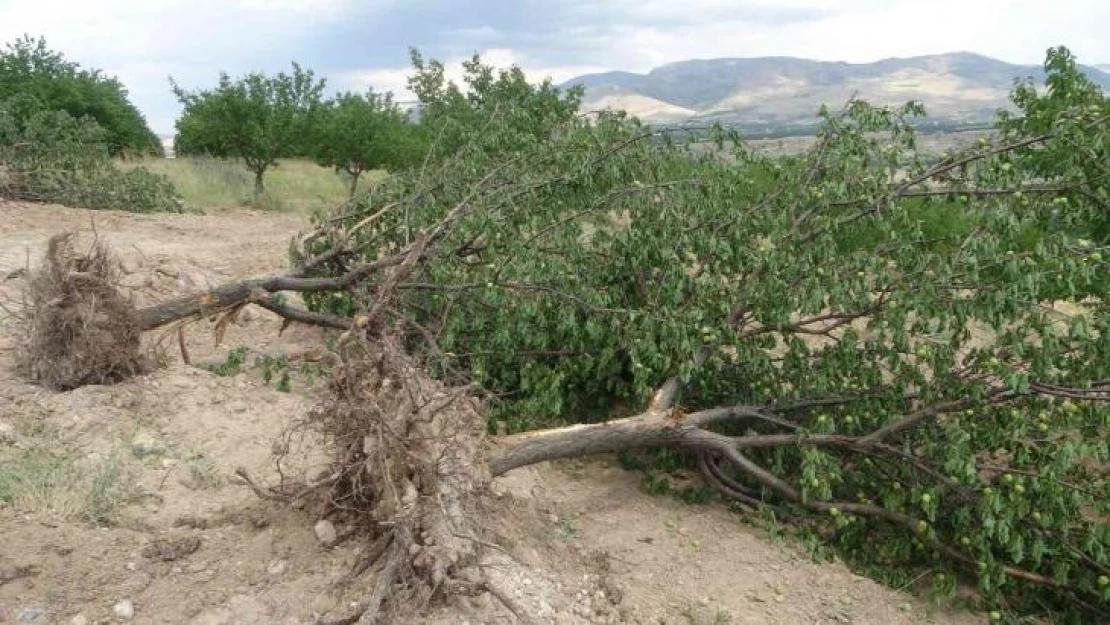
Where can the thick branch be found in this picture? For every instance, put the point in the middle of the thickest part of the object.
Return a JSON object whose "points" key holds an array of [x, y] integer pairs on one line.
{"points": [[229, 295]]}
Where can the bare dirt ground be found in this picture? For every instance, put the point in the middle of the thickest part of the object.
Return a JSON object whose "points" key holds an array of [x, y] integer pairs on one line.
{"points": [[142, 520]]}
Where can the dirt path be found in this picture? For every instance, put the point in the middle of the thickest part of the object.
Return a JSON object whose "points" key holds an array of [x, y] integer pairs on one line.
{"points": [[119, 504]]}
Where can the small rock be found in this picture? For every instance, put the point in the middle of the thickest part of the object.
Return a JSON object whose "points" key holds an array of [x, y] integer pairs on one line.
{"points": [[144, 444], [325, 532], [238, 406], [277, 567], [80, 619], [29, 616], [124, 609], [7, 433], [170, 549], [780, 598], [245, 316]]}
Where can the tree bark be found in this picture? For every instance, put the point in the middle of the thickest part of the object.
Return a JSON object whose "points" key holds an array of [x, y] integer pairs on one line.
{"points": [[354, 182]]}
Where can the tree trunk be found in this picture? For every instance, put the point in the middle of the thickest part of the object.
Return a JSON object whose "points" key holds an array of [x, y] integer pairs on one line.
{"points": [[354, 182], [259, 189]]}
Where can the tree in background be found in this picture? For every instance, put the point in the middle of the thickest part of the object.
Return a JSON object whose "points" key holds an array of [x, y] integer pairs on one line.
{"points": [[357, 133], [257, 118], [525, 114], [30, 69]]}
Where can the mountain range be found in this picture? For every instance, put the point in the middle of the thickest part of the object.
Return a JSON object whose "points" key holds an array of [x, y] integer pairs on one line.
{"points": [[959, 88]]}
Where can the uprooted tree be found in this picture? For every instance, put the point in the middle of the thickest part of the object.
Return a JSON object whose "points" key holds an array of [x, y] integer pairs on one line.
{"points": [[912, 355]]}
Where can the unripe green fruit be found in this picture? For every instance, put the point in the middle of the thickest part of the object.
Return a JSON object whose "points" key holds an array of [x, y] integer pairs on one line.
{"points": [[996, 615]]}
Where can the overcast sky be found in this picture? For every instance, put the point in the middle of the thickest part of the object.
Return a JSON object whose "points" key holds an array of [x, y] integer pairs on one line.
{"points": [[360, 43]]}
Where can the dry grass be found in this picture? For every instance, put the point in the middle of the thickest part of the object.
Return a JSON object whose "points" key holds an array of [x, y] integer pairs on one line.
{"points": [[41, 476], [294, 185], [79, 328]]}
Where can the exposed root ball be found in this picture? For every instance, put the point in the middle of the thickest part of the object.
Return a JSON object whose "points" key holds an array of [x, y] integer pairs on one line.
{"points": [[408, 463], [80, 328]]}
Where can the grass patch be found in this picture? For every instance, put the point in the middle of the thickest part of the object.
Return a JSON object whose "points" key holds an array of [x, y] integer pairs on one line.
{"points": [[40, 481], [294, 185], [204, 472]]}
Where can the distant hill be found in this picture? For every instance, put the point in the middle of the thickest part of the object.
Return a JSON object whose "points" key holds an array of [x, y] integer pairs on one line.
{"points": [[957, 88]]}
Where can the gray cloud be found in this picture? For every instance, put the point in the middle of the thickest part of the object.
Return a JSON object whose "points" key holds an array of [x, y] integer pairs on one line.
{"points": [[359, 43]]}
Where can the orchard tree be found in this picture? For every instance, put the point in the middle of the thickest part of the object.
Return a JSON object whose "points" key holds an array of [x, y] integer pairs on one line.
{"points": [[910, 356], [257, 118], [357, 133], [28, 68], [501, 104]]}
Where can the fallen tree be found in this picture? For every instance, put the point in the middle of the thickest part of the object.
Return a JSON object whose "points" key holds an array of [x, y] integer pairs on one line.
{"points": [[859, 336]]}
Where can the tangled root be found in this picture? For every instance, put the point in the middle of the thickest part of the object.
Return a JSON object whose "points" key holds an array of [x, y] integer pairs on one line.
{"points": [[80, 328], [409, 466]]}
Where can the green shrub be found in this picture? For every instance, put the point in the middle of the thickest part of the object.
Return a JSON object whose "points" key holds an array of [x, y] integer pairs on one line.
{"points": [[28, 67], [50, 156]]}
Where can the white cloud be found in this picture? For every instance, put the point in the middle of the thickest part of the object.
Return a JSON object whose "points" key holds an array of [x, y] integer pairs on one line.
{"points": [[143, 41], [396, 79], [855, 30]]}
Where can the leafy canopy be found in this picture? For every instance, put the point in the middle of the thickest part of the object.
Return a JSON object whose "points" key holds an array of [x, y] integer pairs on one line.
{"points": [[28, 68], [925, 340], [257, 118], [360, 132], [501, 105]]}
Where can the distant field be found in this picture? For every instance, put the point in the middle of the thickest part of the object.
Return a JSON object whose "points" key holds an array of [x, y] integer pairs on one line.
{"points": [[294, 185], [930, 143]]}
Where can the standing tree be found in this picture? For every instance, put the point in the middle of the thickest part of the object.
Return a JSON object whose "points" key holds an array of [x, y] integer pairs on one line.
{"points": [[29, 68], [257, 118], [524, 114], [357, 133]]}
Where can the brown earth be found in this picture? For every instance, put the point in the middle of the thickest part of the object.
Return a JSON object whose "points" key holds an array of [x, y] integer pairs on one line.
{"points": [[181, 540]]}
